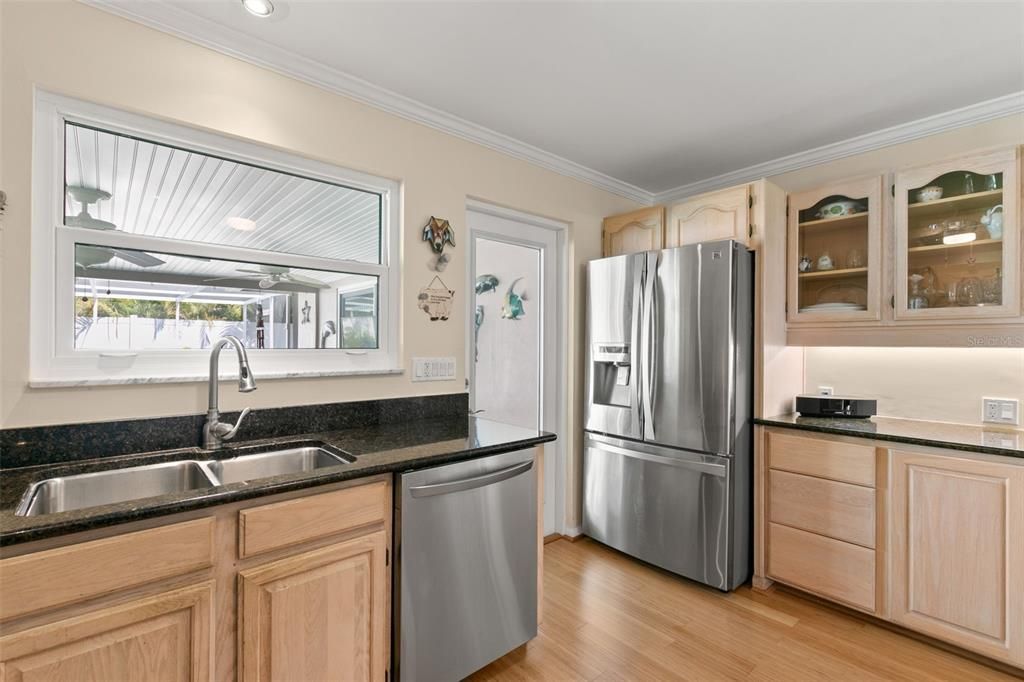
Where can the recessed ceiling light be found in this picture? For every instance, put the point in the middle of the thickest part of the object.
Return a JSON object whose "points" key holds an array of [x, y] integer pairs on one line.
{"points": [[242, 224], [259, 8]]}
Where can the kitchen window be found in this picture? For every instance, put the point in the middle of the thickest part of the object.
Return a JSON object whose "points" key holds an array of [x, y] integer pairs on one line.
{"points": [[152, 240]]}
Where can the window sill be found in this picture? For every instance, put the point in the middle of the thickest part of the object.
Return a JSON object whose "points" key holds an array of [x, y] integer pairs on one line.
{"points": [[197, 378]]}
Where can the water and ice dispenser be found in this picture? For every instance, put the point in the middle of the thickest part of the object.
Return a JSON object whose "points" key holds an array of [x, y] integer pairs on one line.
{"points": [[612, 375]]}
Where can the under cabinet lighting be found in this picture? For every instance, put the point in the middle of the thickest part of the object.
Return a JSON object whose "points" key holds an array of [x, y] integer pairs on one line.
{"points": [[259, 8], [959, 237]]}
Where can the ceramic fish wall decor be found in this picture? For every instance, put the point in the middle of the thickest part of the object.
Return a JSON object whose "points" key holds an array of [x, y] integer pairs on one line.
{"points": [[512, 306], [485, 283], [438, 232]]}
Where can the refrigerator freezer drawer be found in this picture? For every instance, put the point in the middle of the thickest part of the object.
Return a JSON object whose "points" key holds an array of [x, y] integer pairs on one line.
{"points": [[668, 507]]}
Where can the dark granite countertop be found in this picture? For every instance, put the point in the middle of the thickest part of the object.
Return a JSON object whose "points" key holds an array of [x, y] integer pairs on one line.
{"points": [[988, 440], [381, 448]]}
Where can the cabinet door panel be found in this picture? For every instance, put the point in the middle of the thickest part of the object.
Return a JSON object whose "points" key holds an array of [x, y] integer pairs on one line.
{"points": [[636, 231], [837, 510], [838, 226], [830, 568], [164, 637], [316, 616], [958, 554], [957, 232], [718, 215]]}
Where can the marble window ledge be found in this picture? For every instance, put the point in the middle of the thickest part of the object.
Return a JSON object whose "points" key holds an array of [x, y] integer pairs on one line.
{"points": [[198, 378]]}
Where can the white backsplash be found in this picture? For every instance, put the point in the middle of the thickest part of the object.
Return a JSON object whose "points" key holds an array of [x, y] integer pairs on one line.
{"points": [[939, 384]]}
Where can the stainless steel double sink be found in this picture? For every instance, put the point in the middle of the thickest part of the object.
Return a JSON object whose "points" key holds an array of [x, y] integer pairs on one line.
{"points": [[80, 491]]}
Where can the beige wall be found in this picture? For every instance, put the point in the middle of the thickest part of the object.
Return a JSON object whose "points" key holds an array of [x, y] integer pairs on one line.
{"points": [[75, 50], [939, 384], [944, 384]]}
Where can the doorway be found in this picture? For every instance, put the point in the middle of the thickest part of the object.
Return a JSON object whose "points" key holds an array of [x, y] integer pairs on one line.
{"points": [[516, 330]]}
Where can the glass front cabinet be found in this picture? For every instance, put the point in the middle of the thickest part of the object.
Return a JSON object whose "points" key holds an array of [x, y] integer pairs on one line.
{"points": [[835, 253], [957, 239]]}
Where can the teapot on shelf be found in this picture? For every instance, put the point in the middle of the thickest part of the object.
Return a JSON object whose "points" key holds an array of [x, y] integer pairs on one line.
{"points": [[993, 221]]}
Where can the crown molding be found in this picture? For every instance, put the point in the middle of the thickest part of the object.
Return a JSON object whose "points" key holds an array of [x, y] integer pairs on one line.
{"points": [[999, 107], [184, 24]]}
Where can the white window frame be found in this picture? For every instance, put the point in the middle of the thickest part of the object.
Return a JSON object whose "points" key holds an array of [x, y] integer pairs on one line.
{"points": [[53, 358]]}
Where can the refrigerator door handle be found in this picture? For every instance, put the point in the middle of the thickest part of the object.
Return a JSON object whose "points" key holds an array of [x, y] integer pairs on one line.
{"points": [[649, 357], [636, 345]]}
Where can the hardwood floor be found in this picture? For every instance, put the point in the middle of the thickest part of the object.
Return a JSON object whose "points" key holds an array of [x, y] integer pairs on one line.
{"points": [[608, 617]]}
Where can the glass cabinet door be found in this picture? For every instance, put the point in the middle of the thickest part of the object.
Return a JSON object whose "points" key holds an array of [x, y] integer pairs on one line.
{"points": [[835, 252], [957, 248]]}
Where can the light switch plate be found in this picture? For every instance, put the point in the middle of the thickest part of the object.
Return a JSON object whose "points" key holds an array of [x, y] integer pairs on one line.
{"points": [[1000, 411], [433, 369]]}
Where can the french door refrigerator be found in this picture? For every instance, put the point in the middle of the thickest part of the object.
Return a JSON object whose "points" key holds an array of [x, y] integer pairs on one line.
{"points": [[668, 445]]}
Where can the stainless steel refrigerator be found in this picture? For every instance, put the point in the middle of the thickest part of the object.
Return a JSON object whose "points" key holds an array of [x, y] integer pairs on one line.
{"points": [[668, 446]]}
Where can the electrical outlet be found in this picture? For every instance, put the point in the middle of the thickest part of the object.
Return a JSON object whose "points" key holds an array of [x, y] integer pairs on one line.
{"points": [[433, 369], [824, 390], [1000, 411]]}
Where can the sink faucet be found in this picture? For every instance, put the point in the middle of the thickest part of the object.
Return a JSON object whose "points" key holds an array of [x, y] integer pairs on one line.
{"points": [[215, 432]]}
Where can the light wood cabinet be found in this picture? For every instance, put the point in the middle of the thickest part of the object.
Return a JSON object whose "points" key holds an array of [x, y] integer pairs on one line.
{"points": [[957, 239], [640, 230], [835, 253], [297, 584], [931, 540], [943, 257], [820, 520], [168, 636], [316, 616], [717, 215], [827, 567], [958, 551]]}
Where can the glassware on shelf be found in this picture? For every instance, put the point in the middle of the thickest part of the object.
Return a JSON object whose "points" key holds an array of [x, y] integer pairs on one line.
{"points": [[968, 183], [928, 235], [805, 264], [992, 182], [825, 261], [855, 258], [992, 288], [968, 291], [958, 232], [951, 299], [916, 300]]}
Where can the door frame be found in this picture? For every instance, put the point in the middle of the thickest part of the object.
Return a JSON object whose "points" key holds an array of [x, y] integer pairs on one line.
{"points": [[555, 348]]}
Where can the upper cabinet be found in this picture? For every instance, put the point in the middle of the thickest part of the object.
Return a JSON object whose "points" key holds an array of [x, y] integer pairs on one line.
{"points": [[641, 230], [924, 256], [835, 252], [957, 239], [716, 215]]}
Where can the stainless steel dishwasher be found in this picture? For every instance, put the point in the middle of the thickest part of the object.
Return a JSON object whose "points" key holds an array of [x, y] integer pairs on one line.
{"points": [[466, 565]]}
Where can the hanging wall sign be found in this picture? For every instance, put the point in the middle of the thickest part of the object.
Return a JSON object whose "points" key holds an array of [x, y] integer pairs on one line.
{"points": [[435, 299]]}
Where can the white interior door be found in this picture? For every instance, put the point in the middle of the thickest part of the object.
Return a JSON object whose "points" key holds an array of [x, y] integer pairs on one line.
{"points": [[514, 360]]}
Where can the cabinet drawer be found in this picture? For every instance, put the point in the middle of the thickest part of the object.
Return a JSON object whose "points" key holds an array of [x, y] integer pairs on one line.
{"points": [[273, 526], [66, 575], [822, 457], [838, 510], [830, 568]]}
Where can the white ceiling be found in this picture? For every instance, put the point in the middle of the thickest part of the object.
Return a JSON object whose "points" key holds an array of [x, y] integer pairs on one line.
{"points": [[654, 94]]}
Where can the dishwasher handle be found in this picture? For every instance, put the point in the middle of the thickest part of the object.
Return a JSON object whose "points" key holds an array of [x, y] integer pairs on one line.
{"points": [[472, 482]]}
